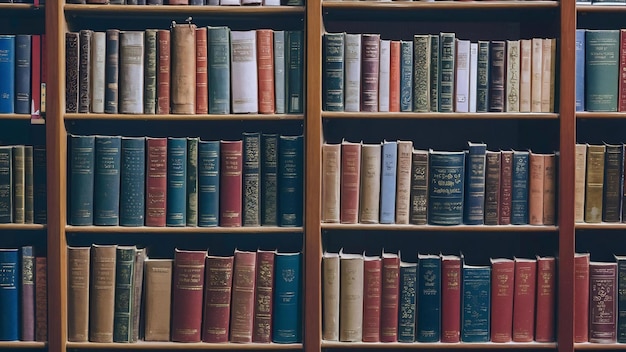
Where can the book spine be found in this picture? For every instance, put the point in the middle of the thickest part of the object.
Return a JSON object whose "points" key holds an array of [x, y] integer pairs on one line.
{"points": [[331, 182], [621, 300], [231, 182], [150, 72], [476, 305], [219, 70], [450, 300], [351, 299], [370, 66], [217, 295], [102, 293], [39, 184], [524, 295], [176, 214], [353, 72], [163, 72], [512, 82], [506, 179], [581, 298], [208, 183], [474, 202], [547, 93], [579, 183], [269, 179], [44, 73], [244, 283], [251, 179], [384, 75], [408, 299], [406, 76], [435, 69], [612, 190], [265, 70], [421, 78], [482, 90], [192, 181], [429, 299], [287, 323], [279, 71], [388, 182], [549, 189], [525, 75], [594, 183], [350, 178], [535, 189], [84, 71], [447, 72], [41, 299], [419, 188], [19, 183], [290, 180], [157, 299], [22, 73], [334, 44], [202, 92], [183, 68], [34, 106], [7, 69], [187, 292], [111, 71], [390, 296], [29, 211], [139, 260], [536, 72], [602, 302], [492, 188], [263, 296], [369, 207], [9, 323], [497, 76], [473, 76], [72, 63], [82, 179], [6, 185], [445, 201], [132, 181], [330, 297], [131, 72], [502, 287], [107, 180], [580, 69], [519, 188], [98, 63], [27, 293], [124, 285], [372, 287], [156, 181], [461, 83], [294, 62], [78, 259], [243, 69], [546, 299], [403, 183]]}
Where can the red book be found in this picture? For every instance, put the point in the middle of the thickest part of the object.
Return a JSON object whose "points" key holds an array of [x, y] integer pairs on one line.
{"points": [[187, 290], [177, 2], [156, 181], [242, 307], [265, 67], [372, 276], [622, 70], [546, 294], [394, 77], [602, 299], [502, 283], [41, 299], [163, 72], [217, 291], [262, 328], [202, 87], [581, 297], [450, 298], [506, 184], [35, 76], [44, 74], [350, 182], [524, 300], [231, 165], [390, 298]]}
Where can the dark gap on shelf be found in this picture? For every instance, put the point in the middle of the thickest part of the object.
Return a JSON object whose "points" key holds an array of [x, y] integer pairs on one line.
{"points": [[602, 244], [21, 132], [597, 131], [19, 238], [601, 20], [22, 22]]}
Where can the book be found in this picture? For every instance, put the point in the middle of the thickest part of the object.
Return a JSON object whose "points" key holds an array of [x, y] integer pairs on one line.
{"points": [[156, 181], [493, 171], [27, 294], [419, 187], [183, 67], [462, 84], [219, 69], [447, 72], [613, 182], [78, 259], [6, 184], [334, 44], [406, 75], [164, 60], [429, 298], [72, 64], [19, 184], [476, 303], [157, 299], [7, 68], [107, 180], [331, 182], [217, 298], [132, 181], [474, 202], [176, 208], [124, 288], [251, 206], [621, 298], [369, 194], [388, 182], [370, 67], [208, 183], [450, 298], [269, 179], [524, 295], [445, 201], [23, 64], [242, 303], [279, 71], [594, 183], [294, 65], [390, 295], [403, 181], [601, 63], [265, 70], [263, 297], [287, 319], [372, 290], [330, 296], [41, 299], [9, 320], [502, 288], [546, 299], [519, 188], [407, 304], [82, 166], [351, 297], [187, 293], [202, 93], [192, 181], [138, 278], [290, 180], [131, 74], [102, 293], [352, 72], [231, 165], [602, 302], [580, 69], [384, 75], [581, 297], [243, 71], [350, 178]]}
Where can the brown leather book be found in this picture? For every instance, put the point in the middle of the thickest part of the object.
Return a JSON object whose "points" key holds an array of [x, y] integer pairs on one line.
{"points": [[524, 294], [41, 299], [350, 182], [187, 292], [163, 72], [594, 183], [78, 294], [535, 189], [492, 188], [231, 183], [403, 188], [102, 293], [370, 57], [202, 80], [549, 189], [263, 294], [372, 278], [157, 299], [394, 77], [265, 69], [546, 299], [242, 307], [183, 70], [506, 184], [177, 2], [390, 297], [502, 286], [156, 181], [217, 294], [71, 72]]}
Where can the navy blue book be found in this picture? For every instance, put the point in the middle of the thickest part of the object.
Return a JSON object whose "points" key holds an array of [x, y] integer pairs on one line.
{"points": [[251, 179], [39, 184], [333, 81], [6, 184], [388, 183], [107, 181], [22, 73], [621, 298], [176, 214], [7, 72], [407, 304], [519, 192], [580, 70], [9, 295], [82, 160], [208, 182], [287, 310], [476, 303], [445, 194], [429, 298], [290, 180], [474, 203], [269, 179], [133, 179]]}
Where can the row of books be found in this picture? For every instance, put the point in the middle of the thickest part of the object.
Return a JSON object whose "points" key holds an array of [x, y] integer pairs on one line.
{"points": [[601, 2], [22, 184], [137, 181], [392, 183], [250, 296], [438, 299], [22, 74], [185, 70], [193, 2], [438, 73], [599, 177], [23, 295]]}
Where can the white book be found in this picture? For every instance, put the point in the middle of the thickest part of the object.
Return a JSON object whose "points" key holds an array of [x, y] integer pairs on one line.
{"points": [[271, 2], [352, 84], [244, 78], [473, 78], [230, 2], [525, 75], [279, 71], [536, 70], [383, 74], [251, 2], [98, 56], [462, 76], [512, 76], [131, 72], [546, 65]]}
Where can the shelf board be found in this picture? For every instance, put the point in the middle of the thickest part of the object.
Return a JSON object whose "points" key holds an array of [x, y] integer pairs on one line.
{"points": [[439, 345], [437, 115], [599, 346], [13, 116], [10, 345], [182, 9], [19, 7], [172, 117], [179, 230], [142, 345], [601, 226], [439, 5], [469, 228], [600, 115], [601, 8], [14, 227]]}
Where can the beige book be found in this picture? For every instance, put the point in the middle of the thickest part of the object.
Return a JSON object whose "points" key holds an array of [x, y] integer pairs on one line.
{"points": [[183, 68], [549, 189], [535, 189], [131, 72], [370, 183], [330, 303], [102, 293], [594, 183], [579, 182], [331, 182], [536, 72], [403, 182], [158, 287], [552, 72], [351, 297], [244, 76], [98, 56], [546, 68], [525, 75], [512, 103], [78, 294]]}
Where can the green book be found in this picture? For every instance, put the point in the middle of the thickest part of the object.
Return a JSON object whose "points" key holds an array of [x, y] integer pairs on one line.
{"points": [[293, 60], [446, 72], [421, 78], [601, 70], [434, 72], [124, 286], [19, 181], [219, 69], [150, 72]]}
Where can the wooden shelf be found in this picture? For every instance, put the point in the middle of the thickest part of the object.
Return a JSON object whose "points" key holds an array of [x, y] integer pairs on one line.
{"points": [[440, 5], [179, 230], [599, 346], [13, 116], [600, 115], [459, 228], [172, 117], [10, 345], [19, 7], [437, 115], [601, 8], [14, 227], [439, 345], [182, 9], [142, 345], [601, 226]]}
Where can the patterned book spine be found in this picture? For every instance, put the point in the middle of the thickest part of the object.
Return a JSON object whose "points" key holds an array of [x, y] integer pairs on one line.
{"points": [[450, 298], [242, 305], [231, 182], [219, 70], [602, 302], [613, 165], [403, 182], [506, 187], [163, 72], [445, 201], [111, 71], [82, 167], [290, 180], [133, 181], [156, 181], [176, 214], [107, 180], [202, 93], [482, 90], [187, 292], [390, 296], [294, 59], [72, 63], [192, 181], [217, 296], [408, 299], [27, 328], [497, 76], [435, 69], [519, 188], [263, 297], [388, 182], [492, 188], [251, 179], [9, 323], [429, 298], [476, 303], [512, 82], [41, 299], [474, 207], [269, 179], [265, 70], [84, 71], [124, 285], [421, 78], [334, 44], [208, 182], [287, 323], [447, 72], [369, 71], [150, 72], [406, 75]]}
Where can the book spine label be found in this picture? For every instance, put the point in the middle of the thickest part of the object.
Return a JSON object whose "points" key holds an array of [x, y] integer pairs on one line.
{"points": [[124, 284], [294, 61], [217, 293], [231, 182], [370, 71], [107, 180], [163, 72], [476, 304], [482, 90], [9, 323], [263, 296], [372, 287], [84, 71], [202, 93], [102, 293], [422, 70], [350, 178], [265, 70], [251, 179], [287, 323], [290, 180], [388, 183], [447, 72], [156, 181], [492, 188], [27, 331], [243, 68], [244, 283], [22, 73], [334, 44], [445, 201], [72, 63], [183, 67], [353, 72], [450, 300], [111, 71], [150, 72], [269, 179], [497, 76], [406, 75], [474, 207], [133, 180], [208, 182], [519, 189], [176, 214], [187, 292], [82, 179], [219, 70], [192, 181]]}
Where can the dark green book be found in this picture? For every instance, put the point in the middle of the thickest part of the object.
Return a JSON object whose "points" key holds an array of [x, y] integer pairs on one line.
{"points": [[294, 70], [290, 180], [434, 72], [407, 304], [176, 214], [29, 187], [133, 181], [124, 299], [19, 180], [447, 72], [621, 298], [219, 69], [601, 69], [150, 72], [107, 180], [251, 179], [406, 75], [482, 84], [421, 78], [39, 182], [269, 179], [192, 181], [333, 82], [6, 185]]}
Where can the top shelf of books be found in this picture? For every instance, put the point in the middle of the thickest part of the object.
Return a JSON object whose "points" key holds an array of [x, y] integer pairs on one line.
{"points": [[438, 5], [181, 9], [601, 6]]}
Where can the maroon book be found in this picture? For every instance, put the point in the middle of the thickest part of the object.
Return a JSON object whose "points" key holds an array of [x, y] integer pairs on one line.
{"points": [[506, 184], [41, 299], [492, 188], [187, 291], [242, 307], [502, 284], [450, 298], [35, 76], [27, 331], [546, 294], [602, 302], [581, 297], [163, 72], [370, 66], [217, 291], [350, 182], [202, 88], [265, 70], [524, 300], [389, 298], [156, 181], [372, 281], [231, 165], [263, 293]]}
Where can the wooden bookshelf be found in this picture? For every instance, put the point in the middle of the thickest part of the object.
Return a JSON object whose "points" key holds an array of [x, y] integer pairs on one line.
{"points": [[598, 347], [600, 226], [19, 345], [142, 345], [441, 346], [442, 5], [172, 117], [600, 115], [179, 230], [437, 115], [600, 8], [145, 10], [19, 227], [426, 228], [14, 116]]}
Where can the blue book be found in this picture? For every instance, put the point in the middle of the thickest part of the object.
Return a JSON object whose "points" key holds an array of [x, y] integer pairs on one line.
{"points": [[107, 181], [580, 70], [474, 203], [388, 183], [208, 182], [287, 313], [429, 298], [176, 214], [192, 181], [445, 194], [133, 179], [219, 69], [406, 75], [408, 299], [333, 81], [6, 184], [476, 303], [22, 73], [251, 179], [9, 295], [7, 72], [519, 189], [40, 181], [290, 180], [269, 179], [82, 160]]}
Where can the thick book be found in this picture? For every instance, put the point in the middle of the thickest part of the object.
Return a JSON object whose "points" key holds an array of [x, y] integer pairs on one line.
{"points": [[602, 302], [524, 295], [445, 199], [351, 297], [251, 179], [331, 181], [406, 75], [287, 318], [482, 85], [124, 287], [231, 168], [187, 292], [72, 63], [157, 299], [202, 92], [370, 66], [474, 202], [217, 295], [156, 181], [263, 296], [581, 297], [390, 295], [132, 181], [580, 172], [163, 72], [102, 293], [613, 182], [421, 72], [22, 73], [594, 183], [330, 296], [403, 182], [19, 183], [111, 71], [6, 184], [176, 213], [372, 287], [419, 187], [208, 183], [451, 298], [429, 298], [29, 187], [388, 182], [219, 69], [131, 74], [78, 259], [265, 70], [371, 162], [242, 304], [535, 188], [519, 188], [192, 181], [41, 299], [476, 303], [82, 166], [502, 287], [601, 64], [269, 179], [384, 75], [462, 81], [183, 68], [352, 73], [27, 294], [546, 299], [408, 298], [493, 170], [350, 179], [334, 44], [9, 301], [107, 180], [294, 67], [621, 298], [243, 72], [497, 77], [7, 70]]}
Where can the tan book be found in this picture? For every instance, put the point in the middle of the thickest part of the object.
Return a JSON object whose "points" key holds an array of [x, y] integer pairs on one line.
{"points": [[525, 75], [157, 299], [351, 297], [331, 182], [579, 182], [552, 72], [536, 72], [546, 74], [183, 69], [403, 182], [78, 294], [370, 183], [242, 305], [535, 189], [512, 95], [330, 303], [549, 189], [594, 183], [131, 72], [102, 293]]}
